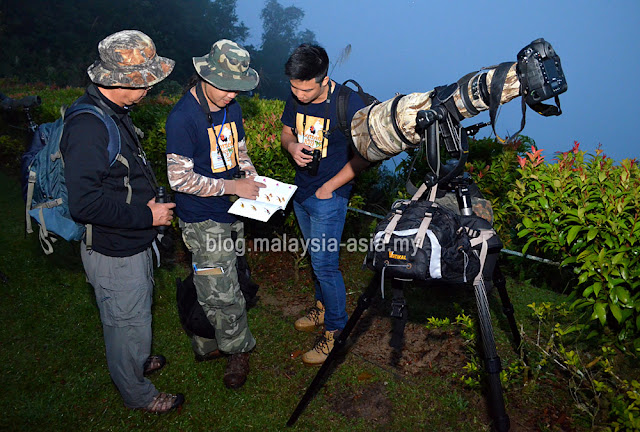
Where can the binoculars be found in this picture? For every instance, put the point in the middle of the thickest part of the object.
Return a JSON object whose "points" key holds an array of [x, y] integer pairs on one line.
{"points": [[312, 166]]}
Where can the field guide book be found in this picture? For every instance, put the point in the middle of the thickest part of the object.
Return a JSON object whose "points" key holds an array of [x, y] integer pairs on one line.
{"points": [[271, 198]]}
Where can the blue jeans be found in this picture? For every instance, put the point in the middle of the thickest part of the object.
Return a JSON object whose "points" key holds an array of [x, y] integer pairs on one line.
{"points": [[321, 223]]}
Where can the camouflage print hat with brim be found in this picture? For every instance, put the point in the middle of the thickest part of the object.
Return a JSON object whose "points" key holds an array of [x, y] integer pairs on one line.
{"points": [[129, 59], [226, 67]]}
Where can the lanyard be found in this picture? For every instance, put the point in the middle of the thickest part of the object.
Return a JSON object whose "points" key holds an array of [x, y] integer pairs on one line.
{"points": [[213, 126], [205, 108]]}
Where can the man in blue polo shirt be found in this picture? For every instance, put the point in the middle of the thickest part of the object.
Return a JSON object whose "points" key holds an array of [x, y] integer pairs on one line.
{"points": [[207, 163], [311, 136]]}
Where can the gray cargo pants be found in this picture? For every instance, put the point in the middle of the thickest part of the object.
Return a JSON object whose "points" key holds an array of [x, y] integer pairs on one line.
{"points": [[124, 290], [216, 281]]}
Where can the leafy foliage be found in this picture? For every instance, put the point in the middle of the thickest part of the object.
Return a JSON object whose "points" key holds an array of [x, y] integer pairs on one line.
{"points": [[585, 211], [593, 380]]}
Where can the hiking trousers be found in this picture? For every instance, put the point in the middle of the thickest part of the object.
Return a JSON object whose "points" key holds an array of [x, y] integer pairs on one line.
{"points": [[216, 280], [124, 289]]}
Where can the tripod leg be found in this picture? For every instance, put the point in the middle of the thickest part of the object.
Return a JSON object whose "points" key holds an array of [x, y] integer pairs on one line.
{"points": [[492, 361], [501, 284], [363, 303]]}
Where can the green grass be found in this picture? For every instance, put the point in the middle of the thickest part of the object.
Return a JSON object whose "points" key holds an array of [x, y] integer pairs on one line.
{"points": [[54, 376]]}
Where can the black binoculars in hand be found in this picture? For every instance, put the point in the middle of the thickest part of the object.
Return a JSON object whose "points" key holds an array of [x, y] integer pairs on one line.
{"points": [[312, 166]]}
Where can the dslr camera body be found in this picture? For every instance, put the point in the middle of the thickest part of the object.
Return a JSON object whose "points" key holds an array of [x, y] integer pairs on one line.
{"points": [[312, 166], [540, 71]]}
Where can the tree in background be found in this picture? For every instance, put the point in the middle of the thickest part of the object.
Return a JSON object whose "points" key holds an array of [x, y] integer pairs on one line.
{"points": [[279, 38], [55, 41]]}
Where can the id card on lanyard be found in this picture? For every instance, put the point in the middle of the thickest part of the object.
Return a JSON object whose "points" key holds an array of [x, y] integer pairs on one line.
{"points": [[223, 145]]}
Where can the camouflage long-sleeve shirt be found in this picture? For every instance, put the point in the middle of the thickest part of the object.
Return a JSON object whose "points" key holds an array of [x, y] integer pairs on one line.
{"points": [[182, 177]]}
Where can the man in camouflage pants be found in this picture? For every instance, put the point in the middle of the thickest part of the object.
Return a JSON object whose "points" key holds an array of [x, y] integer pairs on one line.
{"points": [[207, 164]]}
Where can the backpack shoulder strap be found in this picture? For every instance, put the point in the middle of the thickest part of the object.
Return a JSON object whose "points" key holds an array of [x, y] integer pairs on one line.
{"points": [[342, 107], [114, 148], [115, 145]]}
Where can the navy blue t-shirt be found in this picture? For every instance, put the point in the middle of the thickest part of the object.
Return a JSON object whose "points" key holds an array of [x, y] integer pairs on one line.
{"points": [[189, 134], [336, 151]]}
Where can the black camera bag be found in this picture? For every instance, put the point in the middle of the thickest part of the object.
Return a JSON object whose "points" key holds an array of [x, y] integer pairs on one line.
{"points": [[423, 240]]}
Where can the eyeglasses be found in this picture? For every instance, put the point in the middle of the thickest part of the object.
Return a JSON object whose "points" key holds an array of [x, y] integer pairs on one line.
{"points": [[147, 88]]}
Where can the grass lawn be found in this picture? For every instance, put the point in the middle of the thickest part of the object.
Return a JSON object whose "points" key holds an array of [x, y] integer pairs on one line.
{"points": [[54, 376]]}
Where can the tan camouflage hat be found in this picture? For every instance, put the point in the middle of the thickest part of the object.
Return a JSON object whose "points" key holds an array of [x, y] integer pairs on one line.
{"points": [[128, 59], [226, 67]]}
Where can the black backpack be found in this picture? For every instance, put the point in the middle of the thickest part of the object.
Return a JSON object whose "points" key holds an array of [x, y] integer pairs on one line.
{"points": [[342, 105], [192, 316]]}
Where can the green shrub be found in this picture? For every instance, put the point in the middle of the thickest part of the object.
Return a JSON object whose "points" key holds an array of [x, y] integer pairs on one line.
{"points": [[263, 128], [493, 167], [585, 211]]}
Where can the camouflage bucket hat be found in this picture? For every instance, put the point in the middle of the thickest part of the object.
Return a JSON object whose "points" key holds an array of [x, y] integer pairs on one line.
{"points": [[226, 67], [128, 59]]}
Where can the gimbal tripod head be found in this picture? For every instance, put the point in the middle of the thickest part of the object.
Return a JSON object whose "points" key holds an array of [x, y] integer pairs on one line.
{"points": [[438, 126]]}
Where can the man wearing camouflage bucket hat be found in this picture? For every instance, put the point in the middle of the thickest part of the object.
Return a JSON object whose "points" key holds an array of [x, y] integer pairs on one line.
{"points": [[115, 196], [207, 164]]}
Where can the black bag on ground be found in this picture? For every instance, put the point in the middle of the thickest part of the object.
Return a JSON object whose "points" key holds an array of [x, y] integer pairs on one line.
{"points": [[192, 316]]}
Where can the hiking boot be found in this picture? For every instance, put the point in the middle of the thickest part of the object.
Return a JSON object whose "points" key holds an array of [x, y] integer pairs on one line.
{"points": [[313, 318], [237, 370], [321, 349]]}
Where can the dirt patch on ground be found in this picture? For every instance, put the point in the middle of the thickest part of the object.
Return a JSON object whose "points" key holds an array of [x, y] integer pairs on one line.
{"points": [[369, 402], [423, 351], [431, 351]]}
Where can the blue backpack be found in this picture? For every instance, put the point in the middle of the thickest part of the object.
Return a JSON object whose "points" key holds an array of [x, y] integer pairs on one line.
{"points": [[44, 188]]}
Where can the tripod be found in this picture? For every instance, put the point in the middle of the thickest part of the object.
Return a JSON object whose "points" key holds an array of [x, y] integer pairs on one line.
{"points": [[492, 360], [456, 140]]}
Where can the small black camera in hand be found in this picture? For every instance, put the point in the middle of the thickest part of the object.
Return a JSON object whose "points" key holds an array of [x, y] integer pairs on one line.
{"points": [[312, 166]]}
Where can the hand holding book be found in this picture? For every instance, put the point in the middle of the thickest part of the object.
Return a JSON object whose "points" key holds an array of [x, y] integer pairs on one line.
{"points": [[270, 199]]}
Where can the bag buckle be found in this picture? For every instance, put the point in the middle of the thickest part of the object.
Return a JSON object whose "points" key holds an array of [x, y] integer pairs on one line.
{"points": [[397, 306]]}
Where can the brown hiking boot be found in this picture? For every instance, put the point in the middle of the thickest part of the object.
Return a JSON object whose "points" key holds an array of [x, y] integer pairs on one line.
{"points": [[313, 318], [321, 349], [237, 370]]}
